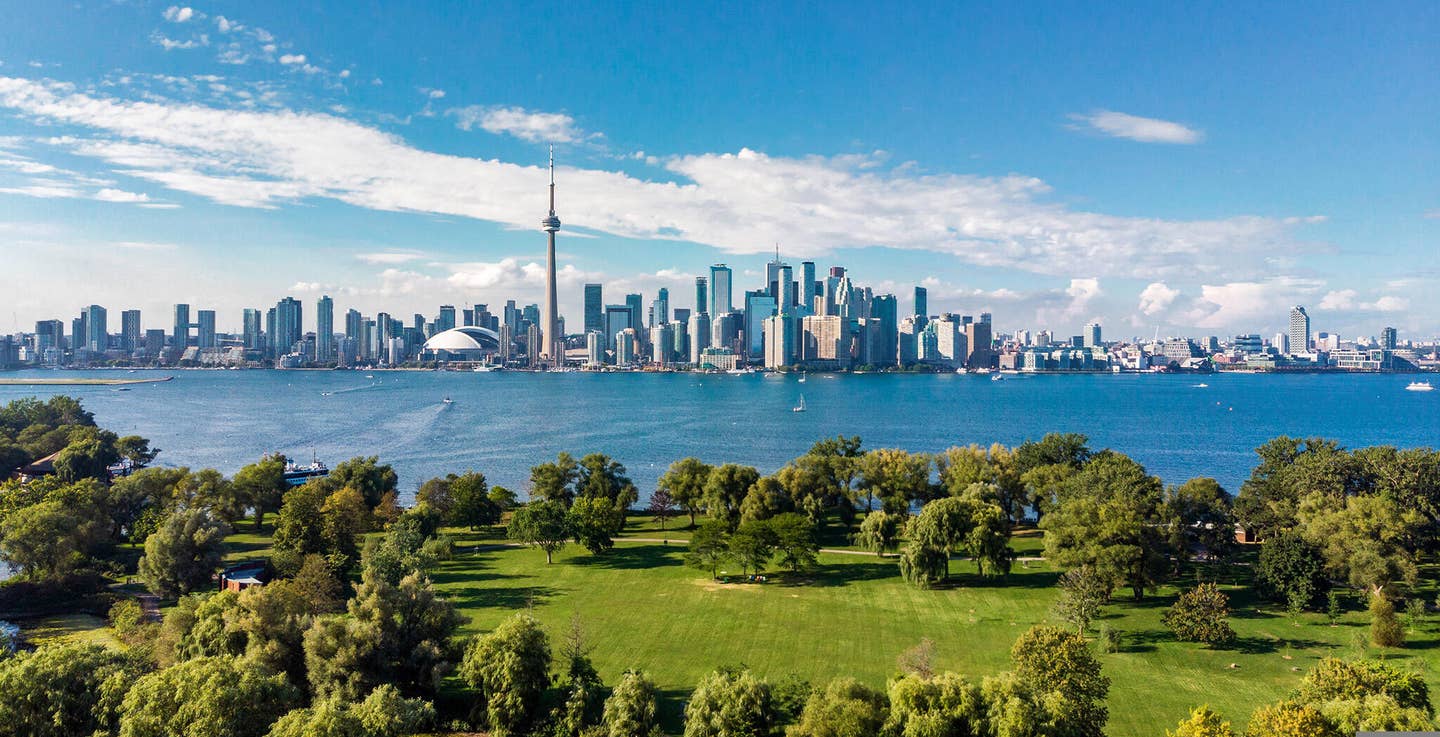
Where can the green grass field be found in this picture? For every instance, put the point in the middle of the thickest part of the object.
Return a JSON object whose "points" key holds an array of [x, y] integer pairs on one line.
{"points": [[642, 608]]}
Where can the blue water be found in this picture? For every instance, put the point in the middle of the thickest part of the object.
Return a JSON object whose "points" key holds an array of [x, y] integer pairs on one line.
{"points": [[502, 423]]}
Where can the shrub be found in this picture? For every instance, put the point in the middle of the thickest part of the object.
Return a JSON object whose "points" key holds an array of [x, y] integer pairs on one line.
{"points": [[1201, 614], [1385, 629]]}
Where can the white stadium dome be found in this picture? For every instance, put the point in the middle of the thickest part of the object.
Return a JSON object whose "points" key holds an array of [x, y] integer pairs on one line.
{"points": [[464, 342]]}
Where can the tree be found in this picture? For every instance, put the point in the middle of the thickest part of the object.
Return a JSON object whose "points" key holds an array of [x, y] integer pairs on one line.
{"points": [[996, 468], [437, 494], [343, 519], [795, 541], [725, 490], [64, 690], [600, 476], [1055, 449], [1111, 515], [209, 489], [730, 703], [1364, 539], [594, 520], [943, 704], [471, 503], [366, 475], [262, 485], [880, 532], [1287, 719], [1203, 722], [509, 671], [941, 526], [1289, 469], [846, 708], [219, 697], [631, 711], [1291, 570], [896, 476], [661, 507], [1047, 659], [184, 553], [1083, 591], [988, 540], [88, 456], [52, 538], [1201, 614], [541, 524], [709, 547], [273, 620], [389, 634], [924, 565], [765, 499], [555, 482], [384, 713], [685, 481], [1385, 629], [834, 464], [136, 450], [753, 545], [1204, 521], [503, 498], [1333, 679]]}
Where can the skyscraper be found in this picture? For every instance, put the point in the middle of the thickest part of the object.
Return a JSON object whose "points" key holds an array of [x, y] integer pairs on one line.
{"points": [[1299, 330], [131, 335], [637, 312], [181, 335], [251, 319], [446, 319], [922, 302], [594, 308], [662, 306], [288, 329], [702, 304], [550, 324], [97, 337], [325, 329], [884, 308], [1388, 339], [720, 300], [1091, 334], [205, 328], [807, 285]]}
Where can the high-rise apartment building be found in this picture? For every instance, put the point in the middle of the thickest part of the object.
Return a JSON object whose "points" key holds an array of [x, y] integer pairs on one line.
{"points": [[131, 335], [446, 320], [180, 336], [885, 309], [205, 328], [250, 319], [97, 336], [807, 285], [1299, 330], [702, 301], [699, 330], [823, 341], [1091, 333], [922, 302], [594, 308], [325, 330], [779, 341], [637, 312], [288, 330]]}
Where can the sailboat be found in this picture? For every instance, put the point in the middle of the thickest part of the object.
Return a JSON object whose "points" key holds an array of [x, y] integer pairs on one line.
{"points": [[799, 407], [802, 378]]}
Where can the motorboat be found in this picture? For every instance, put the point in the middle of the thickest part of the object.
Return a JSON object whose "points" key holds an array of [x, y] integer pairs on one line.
{"points": [[447, 400], [1419, 386]]}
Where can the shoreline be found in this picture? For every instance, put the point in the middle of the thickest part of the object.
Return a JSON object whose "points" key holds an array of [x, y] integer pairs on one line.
{"points": [[81, 382]]}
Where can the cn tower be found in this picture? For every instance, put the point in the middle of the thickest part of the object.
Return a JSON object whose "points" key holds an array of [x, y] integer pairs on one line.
{"points": [[551, 342]]}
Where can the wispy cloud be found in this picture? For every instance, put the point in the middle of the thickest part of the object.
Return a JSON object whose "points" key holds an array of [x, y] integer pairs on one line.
{"points": [[527, 125], [736, 202], [389, 257], [177, 14], [1136, 128]]}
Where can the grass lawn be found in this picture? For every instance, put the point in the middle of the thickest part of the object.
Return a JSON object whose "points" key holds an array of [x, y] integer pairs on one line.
{"points": [[68, 628], [642, 608]]}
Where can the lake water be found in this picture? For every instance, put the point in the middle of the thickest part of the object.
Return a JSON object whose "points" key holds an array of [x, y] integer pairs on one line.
{"points": [[502, 423]]}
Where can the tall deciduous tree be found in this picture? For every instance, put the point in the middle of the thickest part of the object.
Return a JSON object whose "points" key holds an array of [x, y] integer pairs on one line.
{"points": [[685, 483], [1201, 614], [631, 709], [795, 542], [64, 690], [730, 703], [897, 477], [845, 708], [262, 485], [753, 545], [709, 547], [880, 532], [220, 697], [555, 481], [509, 669], [1083, 591], [661, 506], [367, 475], [594, 521], [184, 553], [541, 524], [725, 490]]}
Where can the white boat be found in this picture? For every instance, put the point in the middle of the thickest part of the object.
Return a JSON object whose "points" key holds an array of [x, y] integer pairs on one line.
{"points": [[802, 378], [448, 400], [997, 377], [1202, 385], [1419, 386], [486, 368], [799, 407]]}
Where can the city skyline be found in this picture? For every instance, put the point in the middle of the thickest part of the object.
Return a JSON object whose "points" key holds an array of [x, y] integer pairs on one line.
{"points": [[222, 157]]}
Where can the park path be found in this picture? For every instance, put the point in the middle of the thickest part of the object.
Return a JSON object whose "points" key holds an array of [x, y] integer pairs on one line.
{"points": [[668, 540]]}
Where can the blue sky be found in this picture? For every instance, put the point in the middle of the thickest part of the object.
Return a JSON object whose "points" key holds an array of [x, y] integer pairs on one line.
{"points": [[1187, 170]]}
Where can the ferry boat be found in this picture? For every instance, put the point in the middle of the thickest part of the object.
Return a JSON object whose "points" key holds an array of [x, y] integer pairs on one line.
{"points": [[297, 474], [486, 368], [1419, 386]]}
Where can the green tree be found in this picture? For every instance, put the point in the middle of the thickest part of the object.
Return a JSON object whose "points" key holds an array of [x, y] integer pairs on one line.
{"points": [[845, 708], [140, 497], [509, 670], [1333, 679], [1201, 614], [1083, 591], [943, 704], [219, 697], [594, 521], [209, 489], [1364, 539], [753, 545], [795, 542], [661, 506], [600, 476], [1290, 469], [1291, 570], [880, 532], [136, 450], [631, 709], [765, 499], [1203, 722], [384, 713], [437, 494], [473, 506], [184, 553], [1050, 660], [389, 634], [725, 491], [1204, 521], [541, 524], [1111, 515], [367, 475], [51, 539], [315, 520], [1055, 449], [1287, 719], [555, 482], [262, 485], [273, 620], [685, 481], [1385, 628], [709, 547], [896, 476], [87, 456], [64, 690], [730, 703], [996, 467], [988, 539]]}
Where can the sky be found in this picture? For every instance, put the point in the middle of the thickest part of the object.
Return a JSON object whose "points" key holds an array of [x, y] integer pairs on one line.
{"points": [[1171, 170]]}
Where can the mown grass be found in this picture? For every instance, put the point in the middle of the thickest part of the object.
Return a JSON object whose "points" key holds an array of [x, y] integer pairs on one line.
{"points": [[642, 608]]}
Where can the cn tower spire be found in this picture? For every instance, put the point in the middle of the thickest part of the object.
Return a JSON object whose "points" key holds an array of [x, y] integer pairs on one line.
{"points": [[552, 343]]}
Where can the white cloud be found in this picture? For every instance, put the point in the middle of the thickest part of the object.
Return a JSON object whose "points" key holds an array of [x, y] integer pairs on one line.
{"points": [[170, 44], [737, 202], [292, 59], [1433, 214], [388, 257], [527, 125], [1236, 304], [1156, 298], [145, 246], [176, 14], [1344, 300], [225, 25], [119, 195], [1136, 128]]}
